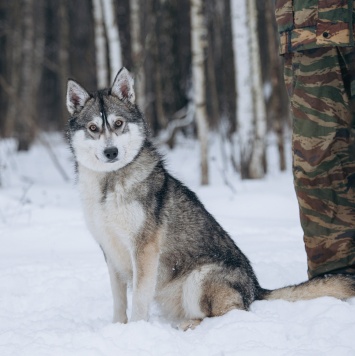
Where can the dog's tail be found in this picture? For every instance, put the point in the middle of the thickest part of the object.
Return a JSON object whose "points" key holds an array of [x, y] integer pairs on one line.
{"points": [[337, 286]]}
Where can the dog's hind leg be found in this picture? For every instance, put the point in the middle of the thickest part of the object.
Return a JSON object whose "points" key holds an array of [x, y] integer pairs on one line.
{"points": [[220, 299], [119, 294], [215, 305], [206, 294]]}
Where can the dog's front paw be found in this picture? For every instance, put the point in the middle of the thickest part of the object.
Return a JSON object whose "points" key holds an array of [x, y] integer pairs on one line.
{"points": [[138, 317], [139, 312], [189, 324], [120, 318]]}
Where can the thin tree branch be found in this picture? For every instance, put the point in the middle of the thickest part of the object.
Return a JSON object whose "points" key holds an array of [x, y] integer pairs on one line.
{"points": [[182, 118], [53, 156]]}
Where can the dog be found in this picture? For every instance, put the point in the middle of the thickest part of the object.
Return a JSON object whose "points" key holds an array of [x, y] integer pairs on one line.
{"points": [[156, 236]]}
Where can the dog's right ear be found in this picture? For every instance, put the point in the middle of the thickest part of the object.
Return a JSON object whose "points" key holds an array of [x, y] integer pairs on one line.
{"points": [[77, 96]]}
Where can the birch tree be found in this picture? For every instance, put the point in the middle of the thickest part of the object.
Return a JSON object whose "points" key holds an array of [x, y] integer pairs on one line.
{"points": [[251, 115], [198, 46], [114, 46], [257, 159], [107, 42], [244, 105], [100, 44]]}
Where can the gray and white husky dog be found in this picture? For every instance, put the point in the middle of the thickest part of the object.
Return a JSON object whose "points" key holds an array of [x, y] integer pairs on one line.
{"points": [[156, 235]]}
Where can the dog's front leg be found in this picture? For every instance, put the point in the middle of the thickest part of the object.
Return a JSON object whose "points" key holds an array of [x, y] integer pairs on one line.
{"points": [[119, 294], [144, 280]]}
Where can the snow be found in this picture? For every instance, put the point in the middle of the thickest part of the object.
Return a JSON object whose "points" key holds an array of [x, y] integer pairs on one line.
{"points": [[55, 296]]}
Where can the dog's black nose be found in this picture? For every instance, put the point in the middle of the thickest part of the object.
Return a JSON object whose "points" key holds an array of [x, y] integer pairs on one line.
{"points": [[111, 152]]}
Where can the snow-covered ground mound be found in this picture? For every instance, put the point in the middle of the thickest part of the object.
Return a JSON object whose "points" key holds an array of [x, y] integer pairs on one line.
{"points": [[55, 297]]}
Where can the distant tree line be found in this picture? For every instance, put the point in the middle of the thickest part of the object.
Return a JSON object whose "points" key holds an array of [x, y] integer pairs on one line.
{"points": [[44, 42]]}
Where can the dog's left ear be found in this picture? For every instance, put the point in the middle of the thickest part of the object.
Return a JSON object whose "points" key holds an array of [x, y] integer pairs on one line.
{"points": [[122, 86]]}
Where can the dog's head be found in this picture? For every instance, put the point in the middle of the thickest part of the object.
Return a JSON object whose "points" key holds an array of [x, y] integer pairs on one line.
{"points": [[106, 129]]}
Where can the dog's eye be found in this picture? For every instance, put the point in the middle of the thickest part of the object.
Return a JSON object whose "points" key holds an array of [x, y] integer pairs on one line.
{"points": [[93, 128], [118, 123]]}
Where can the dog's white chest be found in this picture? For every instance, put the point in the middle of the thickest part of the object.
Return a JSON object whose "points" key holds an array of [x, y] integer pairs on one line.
{"points": [[115, 220], [124, 216]]}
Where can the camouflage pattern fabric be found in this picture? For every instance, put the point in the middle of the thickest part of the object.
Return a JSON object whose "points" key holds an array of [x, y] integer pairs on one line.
{"points": [[308, 24], [321, 85]]}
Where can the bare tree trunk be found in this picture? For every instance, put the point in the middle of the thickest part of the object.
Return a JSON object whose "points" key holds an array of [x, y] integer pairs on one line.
{"points": [[101, 45], [114, 46], [278, 100], [39, 45], [25, 128], [152, 46], [63, 55], [242, 63], [198, 45], [257, 159], [137, 52], [13, 45], [161, 118], [212, 86]]}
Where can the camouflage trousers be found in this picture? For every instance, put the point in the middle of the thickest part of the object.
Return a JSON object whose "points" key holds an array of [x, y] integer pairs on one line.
{"points": [[321, 86]]}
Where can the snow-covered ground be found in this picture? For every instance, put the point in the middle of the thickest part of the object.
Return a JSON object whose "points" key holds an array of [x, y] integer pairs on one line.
{"points": [[55, 296]]}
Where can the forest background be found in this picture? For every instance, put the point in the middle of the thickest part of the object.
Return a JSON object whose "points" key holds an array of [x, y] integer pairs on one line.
{"points": [[203, 68]]}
